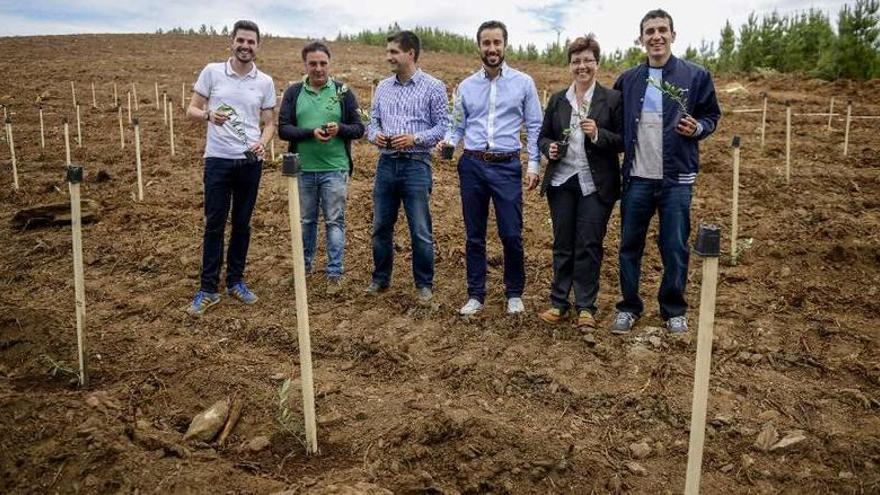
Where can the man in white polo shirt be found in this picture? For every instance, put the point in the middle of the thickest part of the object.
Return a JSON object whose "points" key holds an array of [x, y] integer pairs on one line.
{"points": [[233, 98]]}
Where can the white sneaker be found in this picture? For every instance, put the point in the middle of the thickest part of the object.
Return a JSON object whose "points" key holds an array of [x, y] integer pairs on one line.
{"points": [[471, 307], [515, 305]]}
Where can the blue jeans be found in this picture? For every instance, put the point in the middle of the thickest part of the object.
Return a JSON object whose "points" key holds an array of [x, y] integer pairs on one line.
{"points": [[327, 191], [228, 184], [502, 183], [405, 179], [641, 198]]}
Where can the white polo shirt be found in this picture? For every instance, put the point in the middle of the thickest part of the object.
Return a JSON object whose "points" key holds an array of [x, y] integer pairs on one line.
{"points": [[248, 95]]}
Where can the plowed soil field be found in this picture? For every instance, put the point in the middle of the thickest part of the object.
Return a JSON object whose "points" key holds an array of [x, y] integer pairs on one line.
{"points": [[414, 399]]}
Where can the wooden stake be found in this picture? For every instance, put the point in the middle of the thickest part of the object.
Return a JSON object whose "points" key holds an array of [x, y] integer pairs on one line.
{"points": [[94, 99], [165, 107], [129, 107], [734, 219], [182, 96], [544, 104], [137, 154], [787, 142], [830, 113], [372, 92], [115, 96], [121, 130], [848, 122], [66, 140], [42, 131], [171, 125], [291, 171], [73, 92], [134, 91], [763, 120], [79, 139], [709, 250], [272, 148], [12, 152], [74, 177], [156, 86]]}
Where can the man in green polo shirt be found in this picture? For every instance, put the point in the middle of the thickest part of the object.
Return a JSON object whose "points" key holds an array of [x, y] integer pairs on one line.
{"points": [[319, 118]]}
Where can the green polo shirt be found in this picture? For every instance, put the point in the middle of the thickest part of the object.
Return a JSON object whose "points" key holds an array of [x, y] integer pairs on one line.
{"points": [[313, 110]]}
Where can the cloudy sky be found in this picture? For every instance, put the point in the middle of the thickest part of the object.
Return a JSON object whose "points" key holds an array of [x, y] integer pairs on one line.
{"points": [[615, 22]]}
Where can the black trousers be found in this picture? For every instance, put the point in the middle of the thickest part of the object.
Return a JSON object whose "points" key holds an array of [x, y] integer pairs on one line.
{"points": [[579, 226]]}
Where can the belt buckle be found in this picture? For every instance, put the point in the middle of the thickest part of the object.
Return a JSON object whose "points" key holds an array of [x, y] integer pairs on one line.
{"points": [[491, 156]]}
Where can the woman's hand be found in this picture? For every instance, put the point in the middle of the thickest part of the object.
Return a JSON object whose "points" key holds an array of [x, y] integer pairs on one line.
{"points": [[553, 152], [591, 130]]}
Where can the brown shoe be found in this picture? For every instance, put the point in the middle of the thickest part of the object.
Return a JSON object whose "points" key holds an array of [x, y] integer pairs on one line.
{"points": [[554, 315], [585, 321]]}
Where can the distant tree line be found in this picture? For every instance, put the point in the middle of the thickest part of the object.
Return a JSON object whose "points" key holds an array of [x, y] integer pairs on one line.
{"points": [[804, 42], [203, 30]]}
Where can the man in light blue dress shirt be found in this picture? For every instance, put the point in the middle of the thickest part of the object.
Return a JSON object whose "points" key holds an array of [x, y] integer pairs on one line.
{"points": [[493, 105]]}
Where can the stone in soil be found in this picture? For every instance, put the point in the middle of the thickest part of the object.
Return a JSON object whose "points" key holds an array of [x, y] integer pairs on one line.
{"points": [[208, 423]]}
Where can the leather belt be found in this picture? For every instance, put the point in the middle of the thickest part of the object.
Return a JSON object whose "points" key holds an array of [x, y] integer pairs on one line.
{"points": [[492, 156]]}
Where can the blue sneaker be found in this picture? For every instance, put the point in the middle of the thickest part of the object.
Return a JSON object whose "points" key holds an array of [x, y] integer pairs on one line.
{"points": [[242, 293], [202, 302]]}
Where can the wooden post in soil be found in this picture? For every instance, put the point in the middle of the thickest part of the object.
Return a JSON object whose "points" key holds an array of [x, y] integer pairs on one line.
{"points": [[79, 139], [707, 246], [171, 125], [115, 96], [165, 106], [183, 96], [42, 131], [544, 101], [134, 91], [121, 130], [156, 87], [94, 99], [763, 119], [291, 169], [74, 178], [787, 142], [12, 152], [272, 148], [73, 92], [848, 122], [734, 219], [66, 140], [830, 113], [137, 155], [129, 107]]}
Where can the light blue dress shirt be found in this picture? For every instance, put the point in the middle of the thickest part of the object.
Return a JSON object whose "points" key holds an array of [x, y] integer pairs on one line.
{"points": [[491, 112]]}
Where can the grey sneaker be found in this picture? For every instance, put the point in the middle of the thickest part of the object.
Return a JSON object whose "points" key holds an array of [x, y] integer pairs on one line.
{"points": [[677, 324], [623, 323], [334, 285], [425, 295], [375, 288]]}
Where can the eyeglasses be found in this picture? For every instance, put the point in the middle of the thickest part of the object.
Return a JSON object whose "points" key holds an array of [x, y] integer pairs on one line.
{"points": [[589, 61]]}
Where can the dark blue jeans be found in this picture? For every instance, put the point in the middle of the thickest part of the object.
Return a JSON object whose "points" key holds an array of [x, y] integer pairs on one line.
{"points": [[228, 184], [502, 183], [405, 179], [641, 199]]}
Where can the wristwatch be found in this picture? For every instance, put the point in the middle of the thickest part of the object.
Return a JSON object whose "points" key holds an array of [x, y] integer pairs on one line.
{"points": [[208, 115], [417, 140]]}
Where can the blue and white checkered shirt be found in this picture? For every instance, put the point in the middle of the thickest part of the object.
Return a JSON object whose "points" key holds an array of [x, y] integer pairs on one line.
{"points": [[494, 110], [416, 107]]}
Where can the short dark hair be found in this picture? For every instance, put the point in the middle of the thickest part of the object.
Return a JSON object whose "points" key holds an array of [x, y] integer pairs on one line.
{"points": [[656, 14], [245, 25], [407, 40], [492, 25], [584, 43], [315, 46]]}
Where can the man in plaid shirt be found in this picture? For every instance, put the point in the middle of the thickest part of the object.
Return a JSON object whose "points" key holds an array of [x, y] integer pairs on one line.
{"points": [[408, 118]]}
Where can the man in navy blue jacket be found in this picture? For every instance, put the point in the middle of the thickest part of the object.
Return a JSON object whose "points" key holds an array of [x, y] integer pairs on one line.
{"points": [[660, 166]]}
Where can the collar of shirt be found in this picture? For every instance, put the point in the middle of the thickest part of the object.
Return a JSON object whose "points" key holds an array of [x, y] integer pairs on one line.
{"points": [[412, 80], [571, 96], [308, 87], [231, 72], [501, 70]]}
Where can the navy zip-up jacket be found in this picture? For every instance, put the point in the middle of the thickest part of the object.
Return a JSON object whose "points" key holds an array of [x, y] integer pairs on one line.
{"points": [[681, 154]]}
